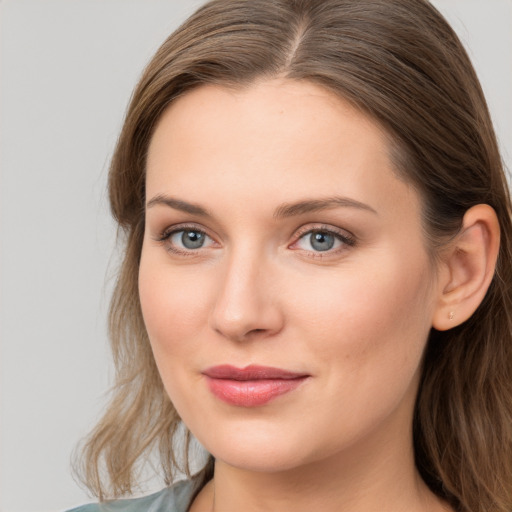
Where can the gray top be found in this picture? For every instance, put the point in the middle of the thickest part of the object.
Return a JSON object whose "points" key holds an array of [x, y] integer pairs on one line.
{"points": [[171, 499]]}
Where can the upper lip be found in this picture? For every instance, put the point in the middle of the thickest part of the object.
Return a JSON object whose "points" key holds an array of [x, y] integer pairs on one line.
{"points": [[252, 372]]}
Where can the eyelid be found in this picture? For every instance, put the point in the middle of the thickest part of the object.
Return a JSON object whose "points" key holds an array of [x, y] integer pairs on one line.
{"points": [[165, 235], [346, 237]]}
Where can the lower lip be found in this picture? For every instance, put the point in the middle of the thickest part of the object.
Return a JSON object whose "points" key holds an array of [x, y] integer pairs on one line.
{"points": [[251, 393]]}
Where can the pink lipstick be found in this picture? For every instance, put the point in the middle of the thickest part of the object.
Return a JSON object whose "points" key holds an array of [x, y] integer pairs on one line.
{"points": [[251, 386]]}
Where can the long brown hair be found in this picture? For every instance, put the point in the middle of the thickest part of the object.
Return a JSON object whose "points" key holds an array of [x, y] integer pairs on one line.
{"points": [[400, 62]]}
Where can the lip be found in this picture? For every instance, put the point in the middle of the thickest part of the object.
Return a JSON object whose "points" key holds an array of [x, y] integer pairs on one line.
{"points": [[251, 386]]}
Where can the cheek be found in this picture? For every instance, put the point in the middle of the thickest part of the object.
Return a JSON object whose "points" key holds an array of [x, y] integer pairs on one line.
{"points": [[173, 306], [365, 331], [371, 314]]}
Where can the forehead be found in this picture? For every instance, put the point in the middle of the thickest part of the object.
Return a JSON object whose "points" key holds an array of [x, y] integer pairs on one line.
{"points": [[280, 140], [266, 111]]}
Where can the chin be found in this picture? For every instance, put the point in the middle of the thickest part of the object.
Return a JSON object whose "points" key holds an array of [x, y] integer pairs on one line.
{"points": [[259, 449], [260, 460]]}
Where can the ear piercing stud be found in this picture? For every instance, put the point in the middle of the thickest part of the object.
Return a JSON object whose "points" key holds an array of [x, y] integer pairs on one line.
{"points": [[451, 314]]}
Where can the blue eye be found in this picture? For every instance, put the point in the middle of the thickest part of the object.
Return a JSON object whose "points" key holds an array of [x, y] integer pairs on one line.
{"points": [[185, 241], [323, 240], [189, 239]]}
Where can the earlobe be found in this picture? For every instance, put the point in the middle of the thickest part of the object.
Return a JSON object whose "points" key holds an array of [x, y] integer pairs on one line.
{"points": [[469, 264]]}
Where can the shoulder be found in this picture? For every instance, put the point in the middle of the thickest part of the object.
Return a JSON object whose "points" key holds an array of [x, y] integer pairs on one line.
{"points": [[170, 499]]}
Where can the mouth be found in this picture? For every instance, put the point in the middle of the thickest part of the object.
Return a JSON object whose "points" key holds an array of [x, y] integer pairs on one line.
{"points": [[253, 385]]}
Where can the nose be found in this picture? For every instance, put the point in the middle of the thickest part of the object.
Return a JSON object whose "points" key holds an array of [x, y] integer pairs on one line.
{"points": [[246, 305]]}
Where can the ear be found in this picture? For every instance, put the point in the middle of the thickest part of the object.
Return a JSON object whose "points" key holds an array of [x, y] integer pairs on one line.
{"points": [[468, 266]]}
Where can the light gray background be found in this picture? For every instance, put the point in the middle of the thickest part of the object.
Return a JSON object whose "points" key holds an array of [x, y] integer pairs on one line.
{"points": [[67, 71]]}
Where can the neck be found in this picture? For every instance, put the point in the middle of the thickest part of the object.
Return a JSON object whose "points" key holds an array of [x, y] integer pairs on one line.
{"points": [[366, 486]]}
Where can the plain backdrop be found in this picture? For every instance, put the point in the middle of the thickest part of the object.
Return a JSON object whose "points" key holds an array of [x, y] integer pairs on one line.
{"points": [[67, 70]]}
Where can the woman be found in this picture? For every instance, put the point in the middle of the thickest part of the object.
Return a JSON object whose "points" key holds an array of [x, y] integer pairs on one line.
{"points": [[317, 276]]}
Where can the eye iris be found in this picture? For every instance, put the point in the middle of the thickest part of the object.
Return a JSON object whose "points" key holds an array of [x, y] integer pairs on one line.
{"points": [[321, 241], [192, 239]]}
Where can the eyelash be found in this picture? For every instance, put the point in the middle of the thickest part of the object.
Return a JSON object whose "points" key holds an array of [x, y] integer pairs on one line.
{"points": [[347, 239], [166, 235]]}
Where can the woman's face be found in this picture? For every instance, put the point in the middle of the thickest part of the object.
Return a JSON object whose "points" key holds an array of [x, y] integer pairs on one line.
{"points": [[284, 280]]}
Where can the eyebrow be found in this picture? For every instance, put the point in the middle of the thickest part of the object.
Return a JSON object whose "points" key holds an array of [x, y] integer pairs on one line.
{"points": [[282, 211], [178, 204], [314, 205]]}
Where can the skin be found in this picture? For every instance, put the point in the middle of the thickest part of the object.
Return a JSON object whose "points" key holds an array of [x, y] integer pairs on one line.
{"points": [[354, 318]]}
